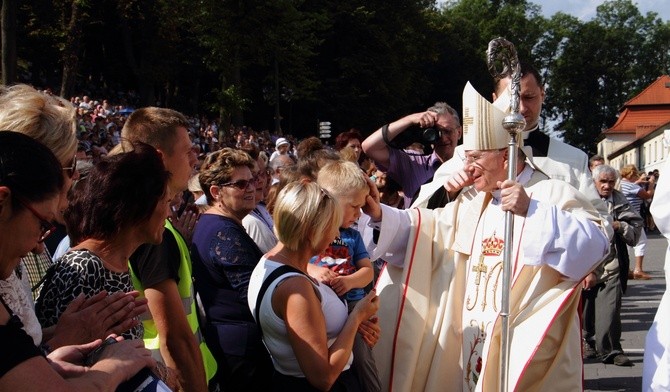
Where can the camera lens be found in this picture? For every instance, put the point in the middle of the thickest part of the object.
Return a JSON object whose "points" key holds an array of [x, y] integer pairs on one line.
{"points": [[430, 135]]}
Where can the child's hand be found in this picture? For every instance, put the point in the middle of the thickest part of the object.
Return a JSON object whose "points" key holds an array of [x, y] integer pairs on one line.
{"points": [[321, 274], [341, 285]]}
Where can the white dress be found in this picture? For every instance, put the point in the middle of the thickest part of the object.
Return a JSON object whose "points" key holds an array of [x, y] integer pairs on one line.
{"points": [[656, 370]]}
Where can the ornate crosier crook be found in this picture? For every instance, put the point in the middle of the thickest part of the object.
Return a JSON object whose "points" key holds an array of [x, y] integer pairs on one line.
{"points": [[501, 51]]}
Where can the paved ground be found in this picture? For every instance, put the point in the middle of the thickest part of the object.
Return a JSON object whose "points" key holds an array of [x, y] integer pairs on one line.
{"points": [[639, 307]]}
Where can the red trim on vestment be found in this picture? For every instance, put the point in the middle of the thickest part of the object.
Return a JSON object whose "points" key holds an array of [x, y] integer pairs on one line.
{"points": [[545, 331], [403, 299], [560, 308]]}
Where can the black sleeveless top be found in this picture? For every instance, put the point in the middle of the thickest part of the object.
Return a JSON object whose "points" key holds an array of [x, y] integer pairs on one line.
{"points": [[17, 345]]}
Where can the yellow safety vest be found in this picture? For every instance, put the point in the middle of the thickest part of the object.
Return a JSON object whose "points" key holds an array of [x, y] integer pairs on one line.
{"points": [[187, 294]]}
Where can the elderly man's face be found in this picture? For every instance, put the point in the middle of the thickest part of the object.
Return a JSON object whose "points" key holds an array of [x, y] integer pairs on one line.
{"points": [[486, 168], [605, 184]]}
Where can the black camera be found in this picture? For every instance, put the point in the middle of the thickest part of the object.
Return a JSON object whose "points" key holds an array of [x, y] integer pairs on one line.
{"points": [[426, 137]]}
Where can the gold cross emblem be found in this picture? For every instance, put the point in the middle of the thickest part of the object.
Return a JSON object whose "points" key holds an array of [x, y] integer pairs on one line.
{"points": [[480, 269]]}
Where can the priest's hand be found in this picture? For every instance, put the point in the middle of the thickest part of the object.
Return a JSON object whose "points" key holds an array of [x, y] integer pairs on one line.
{"points": [[513, 197], [458, 180], [372, 205]]}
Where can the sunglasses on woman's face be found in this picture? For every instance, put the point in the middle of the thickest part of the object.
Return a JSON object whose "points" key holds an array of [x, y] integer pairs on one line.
{"points": [[47, 228], [241, 184], [70, 170]]}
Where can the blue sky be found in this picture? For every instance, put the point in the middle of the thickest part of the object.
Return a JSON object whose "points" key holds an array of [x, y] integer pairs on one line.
{"points": [[586, 9]]}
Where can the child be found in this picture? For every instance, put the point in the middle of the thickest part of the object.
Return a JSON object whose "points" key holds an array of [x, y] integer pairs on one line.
{"points": [[345, 265]]}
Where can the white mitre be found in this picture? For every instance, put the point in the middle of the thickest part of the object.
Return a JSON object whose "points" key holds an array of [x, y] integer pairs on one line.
{"points": [[482, 122]]}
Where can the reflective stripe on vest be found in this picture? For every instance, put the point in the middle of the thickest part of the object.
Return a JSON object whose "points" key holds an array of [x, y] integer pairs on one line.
{"points": [[187, 294]]}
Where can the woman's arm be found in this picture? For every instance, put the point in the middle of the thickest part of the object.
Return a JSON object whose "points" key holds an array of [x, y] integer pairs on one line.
{"points": [[297, 304], [120, 362], [235, 255]]}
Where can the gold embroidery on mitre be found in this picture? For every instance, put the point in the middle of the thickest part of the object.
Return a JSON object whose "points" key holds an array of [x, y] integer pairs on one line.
{"points": [[482, 124]]}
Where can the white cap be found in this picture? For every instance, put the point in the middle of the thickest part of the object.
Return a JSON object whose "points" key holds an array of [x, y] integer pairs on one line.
{"points": [[281, 141]]}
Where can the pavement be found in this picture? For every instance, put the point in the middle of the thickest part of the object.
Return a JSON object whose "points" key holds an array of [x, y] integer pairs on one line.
{"points": [[639, 306]]}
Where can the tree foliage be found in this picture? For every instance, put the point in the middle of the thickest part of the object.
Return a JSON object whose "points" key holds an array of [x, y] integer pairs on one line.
{"points": [[289, 63], [600, 65]]}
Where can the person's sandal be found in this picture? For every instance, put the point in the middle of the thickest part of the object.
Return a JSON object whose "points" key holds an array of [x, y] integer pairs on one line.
{"points": [[641, 275]]}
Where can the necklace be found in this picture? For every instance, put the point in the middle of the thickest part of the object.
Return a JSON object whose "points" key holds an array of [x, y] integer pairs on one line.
{"points": [[279, 255]]}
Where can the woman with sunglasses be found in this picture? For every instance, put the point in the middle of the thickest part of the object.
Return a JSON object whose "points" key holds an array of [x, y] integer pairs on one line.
{"points": [[52, 121], [224, 256], [30, 184]]}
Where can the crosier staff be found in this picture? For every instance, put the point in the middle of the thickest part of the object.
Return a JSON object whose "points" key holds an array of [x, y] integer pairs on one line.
{"points": [[501, 51]]}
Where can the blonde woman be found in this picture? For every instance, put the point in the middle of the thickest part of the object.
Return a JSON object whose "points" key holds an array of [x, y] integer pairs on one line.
{"points": [[30, 184], [305, 326], [51, 121]]}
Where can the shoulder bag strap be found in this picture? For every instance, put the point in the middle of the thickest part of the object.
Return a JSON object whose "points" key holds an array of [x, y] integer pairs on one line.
{"points": [[284, 269]]}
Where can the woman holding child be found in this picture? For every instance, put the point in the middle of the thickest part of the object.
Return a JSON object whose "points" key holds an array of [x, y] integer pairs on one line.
{"points": [[305, 326]]}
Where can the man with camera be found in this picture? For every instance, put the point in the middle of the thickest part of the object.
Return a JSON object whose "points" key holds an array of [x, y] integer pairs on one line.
{"points": [[439, 126]]}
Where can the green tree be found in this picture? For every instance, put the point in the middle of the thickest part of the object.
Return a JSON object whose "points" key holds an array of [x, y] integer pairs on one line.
{"points": [[371, 63], [9, 59], [269, 41], [600, 65], [466, 27]]}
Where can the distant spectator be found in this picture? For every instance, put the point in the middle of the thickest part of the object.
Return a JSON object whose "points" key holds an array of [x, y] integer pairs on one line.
{"points": [[279, 164], [281, 148], [637, 188], [258, 223], [352, 139], [596, 160]]}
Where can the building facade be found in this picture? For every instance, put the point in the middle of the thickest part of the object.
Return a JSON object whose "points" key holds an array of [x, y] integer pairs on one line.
{"points": [[641, 135]]}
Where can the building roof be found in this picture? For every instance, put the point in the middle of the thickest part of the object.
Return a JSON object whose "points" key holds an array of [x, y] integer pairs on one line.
{"points": [[646, 111], [657, 93]]}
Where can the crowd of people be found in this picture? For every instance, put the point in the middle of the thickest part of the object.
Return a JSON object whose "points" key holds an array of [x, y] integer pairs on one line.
{"points": [[141, 240]]}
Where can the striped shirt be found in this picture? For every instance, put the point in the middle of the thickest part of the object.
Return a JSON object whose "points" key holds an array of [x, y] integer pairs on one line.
{"points": [[630, 190]]}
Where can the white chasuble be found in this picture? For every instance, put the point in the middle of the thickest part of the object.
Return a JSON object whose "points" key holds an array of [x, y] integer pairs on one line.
{"points": [[423, 300], [483, 291]]}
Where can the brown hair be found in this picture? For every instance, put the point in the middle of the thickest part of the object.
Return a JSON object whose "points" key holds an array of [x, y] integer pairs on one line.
{"points": [[221, 169], [154, 126]]}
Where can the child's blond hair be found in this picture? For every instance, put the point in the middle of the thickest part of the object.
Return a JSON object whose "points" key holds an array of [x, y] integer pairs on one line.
{"points": [[342, 178]]}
